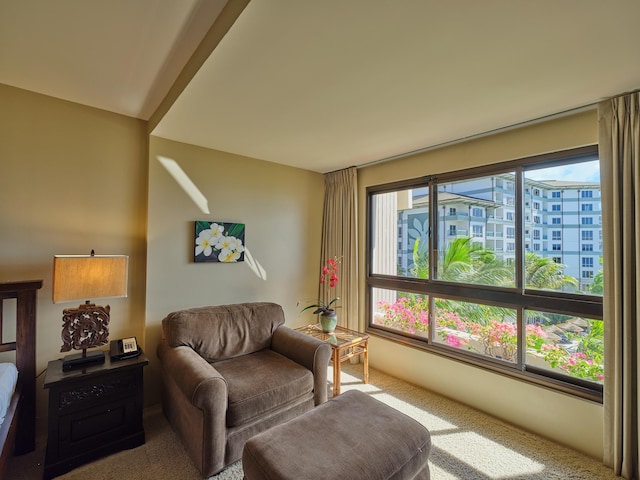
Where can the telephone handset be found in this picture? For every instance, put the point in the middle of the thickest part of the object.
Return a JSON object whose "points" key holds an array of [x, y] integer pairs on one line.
{"points": [[124, 348]]}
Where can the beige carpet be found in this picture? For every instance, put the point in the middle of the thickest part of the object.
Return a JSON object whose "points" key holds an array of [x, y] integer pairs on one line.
{"points": [[466, 445]]}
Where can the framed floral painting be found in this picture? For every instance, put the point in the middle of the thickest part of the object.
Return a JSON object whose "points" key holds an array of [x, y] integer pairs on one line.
{"points": [[219, 242]]}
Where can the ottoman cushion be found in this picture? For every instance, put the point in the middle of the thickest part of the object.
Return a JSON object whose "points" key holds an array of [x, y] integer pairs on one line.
{"points": [[350, 436]]}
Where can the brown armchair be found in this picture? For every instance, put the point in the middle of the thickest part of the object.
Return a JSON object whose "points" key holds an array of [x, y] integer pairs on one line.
{"points": [[230, 372]]}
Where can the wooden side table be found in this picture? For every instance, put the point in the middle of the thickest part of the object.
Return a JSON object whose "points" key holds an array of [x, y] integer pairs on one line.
{"points": [[93, 411], [345, 344]]}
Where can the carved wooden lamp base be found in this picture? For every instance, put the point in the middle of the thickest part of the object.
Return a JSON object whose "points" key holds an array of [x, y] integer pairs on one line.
{"points": [[84, 327]]}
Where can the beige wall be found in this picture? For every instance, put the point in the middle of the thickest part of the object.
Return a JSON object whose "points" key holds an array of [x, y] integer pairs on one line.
{"points": [[72, 179], [566, 419], [282, 210]]}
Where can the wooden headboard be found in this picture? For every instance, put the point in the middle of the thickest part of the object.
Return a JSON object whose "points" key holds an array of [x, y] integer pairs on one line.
{"points": [[25, 347]]}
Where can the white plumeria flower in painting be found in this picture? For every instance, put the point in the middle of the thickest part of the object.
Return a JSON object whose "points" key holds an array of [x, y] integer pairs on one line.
{"points": [[231, 243], [221, 243], [227, 255], [205, 242], [236, 244], [217, 231], [226, 242]]}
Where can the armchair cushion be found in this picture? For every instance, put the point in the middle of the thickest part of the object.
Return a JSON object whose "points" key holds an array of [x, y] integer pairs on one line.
{"points": [[261, 383], [239, 329]]}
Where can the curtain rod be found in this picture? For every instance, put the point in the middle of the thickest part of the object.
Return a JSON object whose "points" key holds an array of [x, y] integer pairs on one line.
{"points": [[449, 143]]}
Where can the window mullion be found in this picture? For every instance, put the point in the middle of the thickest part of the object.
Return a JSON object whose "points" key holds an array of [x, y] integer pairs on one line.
{"points": [[519, 263], [433, 251], [522, 339], [519, 273], [433, 228]]}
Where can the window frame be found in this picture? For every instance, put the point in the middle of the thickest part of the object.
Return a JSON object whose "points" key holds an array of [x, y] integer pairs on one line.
{"points": [[519, 297]]}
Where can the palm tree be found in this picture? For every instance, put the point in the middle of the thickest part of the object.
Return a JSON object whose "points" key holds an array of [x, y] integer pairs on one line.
{"points": [[544, 273], [597, 286], [456, 263], [465, 262], [420, 267]]}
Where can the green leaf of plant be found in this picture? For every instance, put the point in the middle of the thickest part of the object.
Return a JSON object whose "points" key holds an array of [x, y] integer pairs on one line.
{"points": [[236, 229], [201, 225]]}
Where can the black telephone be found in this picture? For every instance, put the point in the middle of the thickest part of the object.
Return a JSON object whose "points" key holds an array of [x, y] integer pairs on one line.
{"points": [[124, 348]]}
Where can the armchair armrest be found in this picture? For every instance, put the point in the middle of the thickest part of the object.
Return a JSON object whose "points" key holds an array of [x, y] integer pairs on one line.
{"points": [[198, 381], [311, 353], [195, 401]]}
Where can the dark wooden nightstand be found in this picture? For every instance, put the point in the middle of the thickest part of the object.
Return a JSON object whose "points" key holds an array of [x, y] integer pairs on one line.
{"points": [[93, 411]]}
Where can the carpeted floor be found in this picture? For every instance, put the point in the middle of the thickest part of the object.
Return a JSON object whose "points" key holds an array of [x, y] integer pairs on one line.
{"points": [[466, 445]]}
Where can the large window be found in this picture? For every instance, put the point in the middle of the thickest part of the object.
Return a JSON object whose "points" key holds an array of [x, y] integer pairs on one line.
{"points": [[452, 269]]}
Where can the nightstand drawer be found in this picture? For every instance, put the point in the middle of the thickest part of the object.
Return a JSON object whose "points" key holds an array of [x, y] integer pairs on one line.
{"points": [[105, 389], [98, 426]]}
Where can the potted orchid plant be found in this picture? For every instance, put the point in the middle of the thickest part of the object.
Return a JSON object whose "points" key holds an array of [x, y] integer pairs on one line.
{"points": [[328, 315]]}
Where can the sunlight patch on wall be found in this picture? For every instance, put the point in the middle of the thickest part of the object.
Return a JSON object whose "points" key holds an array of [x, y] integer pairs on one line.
{"points": [[185, 183], [254, 264]]}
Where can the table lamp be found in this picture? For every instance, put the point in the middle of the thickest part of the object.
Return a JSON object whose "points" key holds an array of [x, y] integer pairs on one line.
{"points": [[83, 277]]}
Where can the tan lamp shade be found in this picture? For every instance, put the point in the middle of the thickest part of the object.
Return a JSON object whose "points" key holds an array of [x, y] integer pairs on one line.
{"points": [[85, 277]]}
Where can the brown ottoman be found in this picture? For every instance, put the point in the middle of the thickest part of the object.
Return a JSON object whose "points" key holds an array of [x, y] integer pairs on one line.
{"points": [[351, 436]]}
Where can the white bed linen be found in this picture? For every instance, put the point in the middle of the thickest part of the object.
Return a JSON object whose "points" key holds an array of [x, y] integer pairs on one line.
{"points": [[8, 380]]}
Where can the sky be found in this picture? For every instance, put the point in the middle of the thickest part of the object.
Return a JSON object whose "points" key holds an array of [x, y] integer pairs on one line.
{"points": [[577, 172]]}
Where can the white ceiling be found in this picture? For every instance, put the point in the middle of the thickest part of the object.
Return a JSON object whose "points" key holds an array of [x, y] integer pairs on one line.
{"points": [[117, 55], [323, 85]]}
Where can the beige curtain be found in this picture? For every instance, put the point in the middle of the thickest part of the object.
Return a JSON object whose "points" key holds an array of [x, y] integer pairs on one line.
{"points": [[619, 138], [339, 239]]}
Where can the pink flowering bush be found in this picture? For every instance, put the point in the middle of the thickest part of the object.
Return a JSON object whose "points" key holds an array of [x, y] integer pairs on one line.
{"points": [[535, 337], [500, 340], [455, 341], [496, 339], [449, 319], [575, 364], [408, 314]]}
